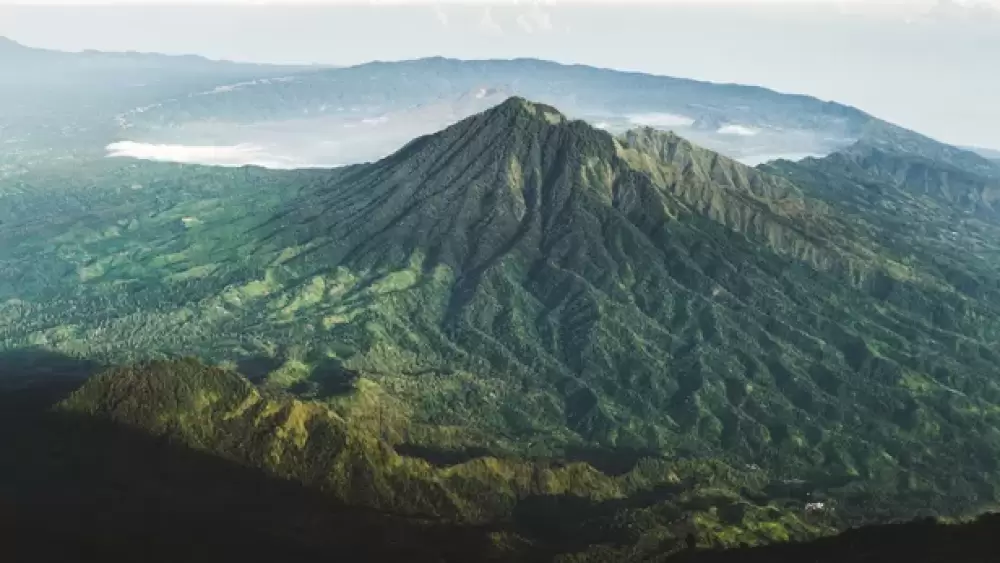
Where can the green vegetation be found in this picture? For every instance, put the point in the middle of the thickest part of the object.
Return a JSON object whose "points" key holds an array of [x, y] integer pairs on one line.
{"points": [[565, 507], [151, 449], [602, 343]]}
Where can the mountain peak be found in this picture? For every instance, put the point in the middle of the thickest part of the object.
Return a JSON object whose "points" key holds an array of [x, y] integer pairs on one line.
{"points": [[532, 109], [697, 163]]}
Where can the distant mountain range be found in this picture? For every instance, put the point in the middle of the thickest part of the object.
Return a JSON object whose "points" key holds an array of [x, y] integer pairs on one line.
{"points": [[351, 102], [318, 116], [61, 98], [378, 104], [14, 53]]}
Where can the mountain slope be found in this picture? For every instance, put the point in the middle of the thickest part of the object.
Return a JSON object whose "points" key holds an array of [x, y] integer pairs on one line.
{"points": [[557, 252], [924, 211], [972, 187], [221, 414]]}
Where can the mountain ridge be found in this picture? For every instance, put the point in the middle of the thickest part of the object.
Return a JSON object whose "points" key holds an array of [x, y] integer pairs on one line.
{"points": [[770, 122], [15, 47]]}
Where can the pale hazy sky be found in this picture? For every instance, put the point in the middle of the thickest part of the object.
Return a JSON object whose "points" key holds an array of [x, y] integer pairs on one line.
{"points": [[925, 64]]}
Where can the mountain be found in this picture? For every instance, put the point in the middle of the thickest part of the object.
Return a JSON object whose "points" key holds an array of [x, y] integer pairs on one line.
{"points": [[522, 285], [316, 139], [323, 113], [318, 116], [886, 137], [54, 98], [741, 121], [407, 83], [972, 185]]}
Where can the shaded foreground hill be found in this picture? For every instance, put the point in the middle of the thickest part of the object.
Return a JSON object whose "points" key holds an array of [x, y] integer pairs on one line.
{"points": [[79, 487], [917, 542], [126, 468], [539, 507]]}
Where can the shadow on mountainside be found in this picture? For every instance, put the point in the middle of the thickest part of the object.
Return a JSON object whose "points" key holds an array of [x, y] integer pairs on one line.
{"points": [[36, 371], [569, 523], [77, 488], [257, 368], [925, 541], [614, 462]]}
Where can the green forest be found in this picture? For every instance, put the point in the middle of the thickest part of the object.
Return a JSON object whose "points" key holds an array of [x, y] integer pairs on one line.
{"points": [[556, 342]]}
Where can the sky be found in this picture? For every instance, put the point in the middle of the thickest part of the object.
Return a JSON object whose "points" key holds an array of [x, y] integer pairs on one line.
{"points": [[926, 64]]}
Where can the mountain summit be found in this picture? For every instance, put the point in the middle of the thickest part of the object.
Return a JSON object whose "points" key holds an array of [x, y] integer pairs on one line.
{"points": [[634, 291]]}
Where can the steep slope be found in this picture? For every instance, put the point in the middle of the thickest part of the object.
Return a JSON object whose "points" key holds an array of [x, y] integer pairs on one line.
{"points": [[695, 162], [558, 260], [765, 207], [927, 212]]}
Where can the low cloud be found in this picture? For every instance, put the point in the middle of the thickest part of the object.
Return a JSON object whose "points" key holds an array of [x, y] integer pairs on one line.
{"points": [[738, 130], [660, 120], [211, 155]]}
